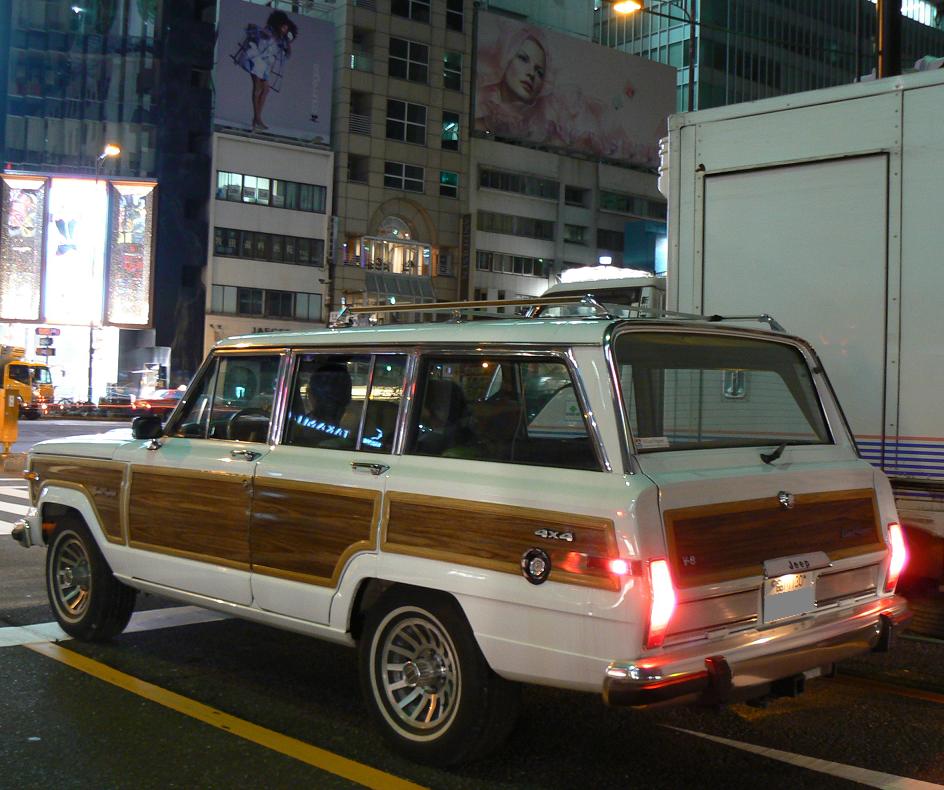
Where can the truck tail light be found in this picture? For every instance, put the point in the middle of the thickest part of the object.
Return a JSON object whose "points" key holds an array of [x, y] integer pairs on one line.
{"points": [[662, 603], [898, 557]]}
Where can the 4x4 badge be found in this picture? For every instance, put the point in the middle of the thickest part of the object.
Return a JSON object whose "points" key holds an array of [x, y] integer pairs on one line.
{"points": [[553, 534], [786, 499]]}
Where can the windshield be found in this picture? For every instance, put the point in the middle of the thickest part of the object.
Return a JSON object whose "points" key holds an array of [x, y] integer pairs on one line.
{"points": [[41, 375], [690, 390]]}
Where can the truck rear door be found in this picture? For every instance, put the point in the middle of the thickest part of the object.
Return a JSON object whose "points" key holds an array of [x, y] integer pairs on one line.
{"points": [[767, 513]]}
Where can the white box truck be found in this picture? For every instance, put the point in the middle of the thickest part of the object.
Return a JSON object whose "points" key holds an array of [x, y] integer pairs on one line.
{"points": [[822, 209]]}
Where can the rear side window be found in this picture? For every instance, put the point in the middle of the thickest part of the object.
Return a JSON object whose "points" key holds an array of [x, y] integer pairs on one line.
{"points": [[504, 409], [692, 391]]}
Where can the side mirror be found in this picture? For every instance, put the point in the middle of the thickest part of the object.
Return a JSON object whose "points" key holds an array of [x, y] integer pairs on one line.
{"points": [[146, 427]]}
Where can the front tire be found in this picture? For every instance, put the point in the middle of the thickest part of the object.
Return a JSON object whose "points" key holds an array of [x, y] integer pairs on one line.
{"points": [[427, 684], [88, 602]]}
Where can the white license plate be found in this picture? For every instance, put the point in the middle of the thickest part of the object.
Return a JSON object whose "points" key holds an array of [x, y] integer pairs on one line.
{"points": [[789, 595]]}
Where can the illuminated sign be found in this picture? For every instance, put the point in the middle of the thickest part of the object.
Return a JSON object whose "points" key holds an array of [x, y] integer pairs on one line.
{"points": [[75, 251], [21, 247], [130, 270]]}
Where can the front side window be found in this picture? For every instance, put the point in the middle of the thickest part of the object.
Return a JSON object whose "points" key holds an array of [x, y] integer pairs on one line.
{"points": [[232, 400], [503, 409], [19, 373], [688, 392]]}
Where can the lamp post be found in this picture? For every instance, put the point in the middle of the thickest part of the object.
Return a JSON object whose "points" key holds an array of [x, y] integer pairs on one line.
{"points": [[626, 7], [110, 151]]}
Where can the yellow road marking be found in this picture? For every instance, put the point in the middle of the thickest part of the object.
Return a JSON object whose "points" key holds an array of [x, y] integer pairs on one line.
{"points": [[902, 691], [291, 747]]}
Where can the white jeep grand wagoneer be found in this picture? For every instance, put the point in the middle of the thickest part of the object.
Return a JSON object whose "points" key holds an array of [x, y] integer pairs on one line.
{"points": [[654, 510]]}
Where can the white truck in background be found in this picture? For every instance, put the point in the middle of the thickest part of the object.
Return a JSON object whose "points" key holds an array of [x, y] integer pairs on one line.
{"points": [[823, 209]]}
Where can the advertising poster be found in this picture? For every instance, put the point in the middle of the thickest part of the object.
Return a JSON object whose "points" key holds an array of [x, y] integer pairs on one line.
{"points": [[21, 247], [129, 276], [273, 71], [551, 89], [75, 250]]}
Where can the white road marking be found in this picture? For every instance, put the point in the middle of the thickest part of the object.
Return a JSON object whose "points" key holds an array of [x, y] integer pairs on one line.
{"points": [[18, 491], [852, 773], [140, 621], [11, 507], [10, 511]]}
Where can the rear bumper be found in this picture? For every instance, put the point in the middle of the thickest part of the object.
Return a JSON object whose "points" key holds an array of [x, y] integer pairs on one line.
{"points": [[746, 666]]}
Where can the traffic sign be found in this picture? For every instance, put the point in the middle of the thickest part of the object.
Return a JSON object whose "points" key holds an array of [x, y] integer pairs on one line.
{"points": [[46, 341], [47, 330], [45, 351]]}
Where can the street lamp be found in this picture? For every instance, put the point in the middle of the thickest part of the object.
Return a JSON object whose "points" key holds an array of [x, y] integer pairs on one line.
{"points": [[110, 151], [625, 7]]}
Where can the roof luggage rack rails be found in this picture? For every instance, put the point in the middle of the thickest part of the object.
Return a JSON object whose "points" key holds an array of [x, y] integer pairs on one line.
{"points": [[459, 310]]}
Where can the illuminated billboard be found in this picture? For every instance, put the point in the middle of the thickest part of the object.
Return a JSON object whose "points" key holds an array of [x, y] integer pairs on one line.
{"points": [[76, 250], [21, 247], [274, 71], [554, 90]]}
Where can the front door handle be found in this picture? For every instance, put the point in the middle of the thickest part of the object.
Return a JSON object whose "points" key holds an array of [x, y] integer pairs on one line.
{"points": [[249, 455], [374, 469]]}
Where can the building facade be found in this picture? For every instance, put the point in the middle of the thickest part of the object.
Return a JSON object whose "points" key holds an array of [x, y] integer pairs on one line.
{"points": [[754, 49]]}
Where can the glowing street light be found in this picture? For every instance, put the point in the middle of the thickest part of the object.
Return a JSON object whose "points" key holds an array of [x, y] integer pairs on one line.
{"points": [[110, 151], [627, 6]]}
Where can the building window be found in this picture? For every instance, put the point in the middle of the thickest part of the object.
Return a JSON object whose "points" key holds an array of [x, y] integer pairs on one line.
{"points": [[454, 14], [406, 122], [510, 264], [417, 10], [408, 60], [276, 193], [445, 263], [401, 176], [575, 234], [575, 196], [358, 168], [258, 246], [308, 306], [452, 71], [279, 304], [450, 131], [519, 183], [610, 239], [249, 301], [448, 184], [632, 204], [512, 225]]}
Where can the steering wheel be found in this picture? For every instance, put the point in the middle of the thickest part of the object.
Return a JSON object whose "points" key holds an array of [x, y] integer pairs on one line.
{"points": [[232, 423]]}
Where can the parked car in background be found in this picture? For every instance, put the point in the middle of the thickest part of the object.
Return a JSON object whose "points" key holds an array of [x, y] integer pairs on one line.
{"points": [[160, 403]]}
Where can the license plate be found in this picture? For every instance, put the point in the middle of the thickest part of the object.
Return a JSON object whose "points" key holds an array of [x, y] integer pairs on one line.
{"points": [[789, 595]]}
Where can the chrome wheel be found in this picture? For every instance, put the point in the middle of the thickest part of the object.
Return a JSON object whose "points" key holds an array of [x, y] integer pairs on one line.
{"points": [[73, 577], [416, 673]]}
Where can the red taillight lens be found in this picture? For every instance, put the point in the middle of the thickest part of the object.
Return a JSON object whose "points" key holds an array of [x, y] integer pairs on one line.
{"points": [[662, 604], [898, 557]]}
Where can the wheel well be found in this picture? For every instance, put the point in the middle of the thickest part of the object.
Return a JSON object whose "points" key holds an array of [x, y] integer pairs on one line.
{"points": [[372, 590], [54, 514]]}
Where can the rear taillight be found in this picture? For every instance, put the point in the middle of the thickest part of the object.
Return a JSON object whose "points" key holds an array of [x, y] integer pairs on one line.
{"points": [[898, 556], [662, 603]]}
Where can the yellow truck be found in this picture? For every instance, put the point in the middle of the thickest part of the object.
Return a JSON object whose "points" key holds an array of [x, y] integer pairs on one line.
{"points": [[30, 381]]}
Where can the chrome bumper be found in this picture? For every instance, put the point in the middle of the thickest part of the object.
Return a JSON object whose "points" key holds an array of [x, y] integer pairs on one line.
{"points": [[746, 670]]}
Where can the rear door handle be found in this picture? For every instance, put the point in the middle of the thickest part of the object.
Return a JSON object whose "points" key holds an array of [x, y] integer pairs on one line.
{"points": [[249, 455], [374, 469]]}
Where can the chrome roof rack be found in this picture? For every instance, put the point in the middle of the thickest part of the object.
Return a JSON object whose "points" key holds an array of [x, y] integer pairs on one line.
{"points": [[458, 310]]}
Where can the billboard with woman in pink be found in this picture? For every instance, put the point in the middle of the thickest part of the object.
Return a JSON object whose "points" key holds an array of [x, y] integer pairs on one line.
{"points": [[547, 88]]}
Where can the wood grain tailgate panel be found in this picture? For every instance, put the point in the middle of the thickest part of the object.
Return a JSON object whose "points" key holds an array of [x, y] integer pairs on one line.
{"points": [[496, 536], [731, 540]]}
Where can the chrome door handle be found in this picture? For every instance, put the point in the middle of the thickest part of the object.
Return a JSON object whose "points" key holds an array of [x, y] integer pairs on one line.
{"points": [[249, 455], [374, 469]]}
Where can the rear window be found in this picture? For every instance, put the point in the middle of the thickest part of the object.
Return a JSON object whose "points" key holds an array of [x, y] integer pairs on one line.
{"points": [[691, 391]]}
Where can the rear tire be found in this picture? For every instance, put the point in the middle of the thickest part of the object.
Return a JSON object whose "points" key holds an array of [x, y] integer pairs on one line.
{"points": [[427, 684], [88, 602]]}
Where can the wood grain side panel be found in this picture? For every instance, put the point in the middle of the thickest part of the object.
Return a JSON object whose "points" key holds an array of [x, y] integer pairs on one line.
{"points": [[496, 536], [307, 531], [100, 481], [732, 540], [192, 514]]}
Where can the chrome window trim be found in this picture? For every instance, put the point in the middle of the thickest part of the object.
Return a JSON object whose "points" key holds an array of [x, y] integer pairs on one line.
{"points": [[367, 390], [282, 394], [819, 380]]}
